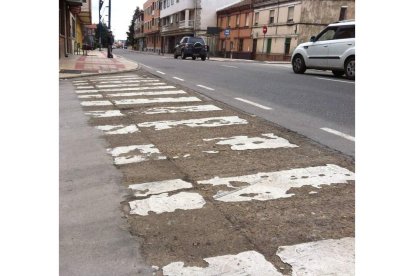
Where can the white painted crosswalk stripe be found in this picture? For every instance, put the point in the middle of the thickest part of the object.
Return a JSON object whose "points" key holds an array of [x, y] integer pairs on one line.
{"points": [[164, 203], [158, 187], [128, 85], [148, 93], [156, 100], [129, 81], [274, 185], [179, 109], [136, 88], [203, 122], [118, 129], [91, 96], [86, 91], [135, 154], [96, 103], [104, 113]]}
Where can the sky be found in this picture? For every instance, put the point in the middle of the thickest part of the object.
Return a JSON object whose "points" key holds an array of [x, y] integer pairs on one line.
{"points": [[121, 15]]}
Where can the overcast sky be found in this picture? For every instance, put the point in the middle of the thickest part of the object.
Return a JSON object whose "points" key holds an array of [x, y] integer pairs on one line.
{"points": [[121, 15]]}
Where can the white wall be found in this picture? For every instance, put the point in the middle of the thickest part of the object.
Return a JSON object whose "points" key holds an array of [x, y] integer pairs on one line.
{"points": [[209, 9], [176, 7]]}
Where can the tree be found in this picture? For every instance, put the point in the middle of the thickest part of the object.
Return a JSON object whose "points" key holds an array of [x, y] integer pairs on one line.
{"points": [[131, 29], [104, 35]]}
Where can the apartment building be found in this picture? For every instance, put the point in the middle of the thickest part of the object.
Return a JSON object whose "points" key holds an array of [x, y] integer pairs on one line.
{"points": [[179, 18], [74, 15], [139, 34], [235, 23], [152, 26], [291, 22]]}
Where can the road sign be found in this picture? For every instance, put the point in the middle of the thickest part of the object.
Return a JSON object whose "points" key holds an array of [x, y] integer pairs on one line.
{"points": [[227, 32], [264, 29]]}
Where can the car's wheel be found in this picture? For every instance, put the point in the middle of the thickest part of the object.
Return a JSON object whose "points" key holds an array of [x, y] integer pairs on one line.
{"points": [[183, 56], [350, 68], [194, 58], [175, 56], [338, 73], [203, 58], [298, 64]]}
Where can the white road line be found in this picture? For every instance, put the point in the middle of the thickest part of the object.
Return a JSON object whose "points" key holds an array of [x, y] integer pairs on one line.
{"points": [[178, 79], [336, 80], [229, 66], [147, 66], [253, 103], [161, 72], [343, 135], [205, 87]]}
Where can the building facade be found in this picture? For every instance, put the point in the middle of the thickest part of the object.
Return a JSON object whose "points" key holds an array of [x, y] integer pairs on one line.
{"points": [[291, 22], [74, 16], [139, 35], [179, 18], [235, 24], [152, 26]]}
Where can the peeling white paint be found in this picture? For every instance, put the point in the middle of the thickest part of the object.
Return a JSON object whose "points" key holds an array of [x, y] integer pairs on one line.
{"points": [[86, 91], [85, 87], [96, 103], [269, 141], [91, 96], [274, 185], [248, 263], [136, 88], [135, 154], [104, 113], [326, 257], [157, 100], [118, 129], [127, 85], [163, 203], [203, 122], [179, 109], [158, 187], [211, 151], [148, 93], [186, 155]]}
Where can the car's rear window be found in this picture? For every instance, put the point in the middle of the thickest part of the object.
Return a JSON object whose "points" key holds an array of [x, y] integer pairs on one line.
{"points": [[196, 39]]}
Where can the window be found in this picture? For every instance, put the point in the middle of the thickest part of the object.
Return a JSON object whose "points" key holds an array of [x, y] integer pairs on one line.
{"points": [[290, 14], [223, 45], [221, 21], [342, 13], [228, 21], [345, 32], [231, 45], [172, 2], [269, 45], [287, 45], [237, 20], [247, 19], [272, 17], [256, 18], [327, 34], [73, 27], [240, 45]]}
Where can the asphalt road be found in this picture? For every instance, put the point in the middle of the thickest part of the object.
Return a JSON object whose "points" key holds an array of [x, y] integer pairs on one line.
{"points": [[316, 104]]}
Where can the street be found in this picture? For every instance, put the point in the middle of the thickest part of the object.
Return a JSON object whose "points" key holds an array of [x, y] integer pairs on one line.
{"points": [[214, 188], [316, 104]]}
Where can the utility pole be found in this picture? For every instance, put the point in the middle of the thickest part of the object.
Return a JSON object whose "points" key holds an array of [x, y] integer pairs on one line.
{"points": [[109, 15], [100, 24]]}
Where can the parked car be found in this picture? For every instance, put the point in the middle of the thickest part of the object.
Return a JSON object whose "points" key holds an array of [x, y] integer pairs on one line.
{"points": [[191, 47], [332, 49]]}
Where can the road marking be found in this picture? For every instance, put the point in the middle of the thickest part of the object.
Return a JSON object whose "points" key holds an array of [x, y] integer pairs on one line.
{"points": [[127, 154], [253, 103], [343, 135], [160, 72], [104, 113], [135, 88], [96, 103], [335, 80], [180, 109], [158, 187], [275, 185], [203, 122], [148, 93], [229, 66], [178, 79], [128, 84], [118, 129], [90, 96], [86, 91], [147, 66], [157, 100], [267, 141], [205, 87], [163, 203], [325, 257], [118, 77], [246, 263]]}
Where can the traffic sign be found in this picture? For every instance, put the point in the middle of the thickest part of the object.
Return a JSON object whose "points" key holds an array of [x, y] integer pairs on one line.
{"points": [[264, 29], [227, 32]]}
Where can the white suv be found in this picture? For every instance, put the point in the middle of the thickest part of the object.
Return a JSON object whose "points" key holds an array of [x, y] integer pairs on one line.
{"points": [[332, 49]]}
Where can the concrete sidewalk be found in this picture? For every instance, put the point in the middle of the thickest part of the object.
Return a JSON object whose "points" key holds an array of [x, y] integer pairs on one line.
{"points": [[95, 62]]}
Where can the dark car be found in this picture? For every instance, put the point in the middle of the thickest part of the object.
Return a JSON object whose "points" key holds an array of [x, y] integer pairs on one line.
{"points": [[191, 47]]}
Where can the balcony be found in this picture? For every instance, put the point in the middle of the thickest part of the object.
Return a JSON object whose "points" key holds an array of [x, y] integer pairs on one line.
{"points": [[181, 25]]}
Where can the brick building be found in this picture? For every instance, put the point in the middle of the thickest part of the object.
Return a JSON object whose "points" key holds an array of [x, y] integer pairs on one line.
{"points": [[152, 26]]}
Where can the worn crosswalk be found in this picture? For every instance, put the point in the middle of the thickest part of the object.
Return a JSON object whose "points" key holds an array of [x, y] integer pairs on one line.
{"points": [[214, 191]]}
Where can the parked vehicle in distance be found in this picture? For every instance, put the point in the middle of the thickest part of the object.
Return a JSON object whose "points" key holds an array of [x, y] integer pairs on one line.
{"points": [[332, 49], [191, 47]]}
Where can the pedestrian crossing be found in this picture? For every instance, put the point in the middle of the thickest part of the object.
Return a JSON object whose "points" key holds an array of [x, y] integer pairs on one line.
{"points": [[109, 98]]}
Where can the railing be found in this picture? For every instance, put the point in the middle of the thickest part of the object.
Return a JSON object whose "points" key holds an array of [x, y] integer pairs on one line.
{"points": [[180, 25]]}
